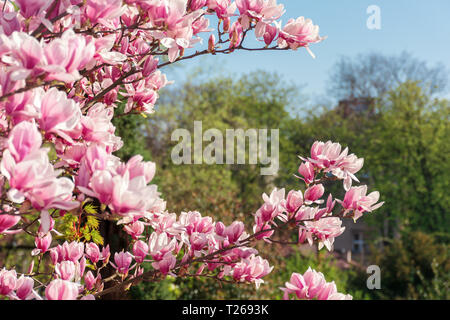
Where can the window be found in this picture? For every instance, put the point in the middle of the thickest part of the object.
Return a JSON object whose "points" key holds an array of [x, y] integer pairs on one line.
{"points": [[358, 242]]}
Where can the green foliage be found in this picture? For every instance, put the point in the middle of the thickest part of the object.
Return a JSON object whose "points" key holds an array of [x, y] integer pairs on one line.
{"points": [[130, 129], [79, 228], [68, 226], [408, 158], [163, 290], [413, 267]]}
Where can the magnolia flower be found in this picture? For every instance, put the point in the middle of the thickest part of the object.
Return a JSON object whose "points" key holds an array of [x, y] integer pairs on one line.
{"points": [[294, 201], [328, 157], [134, 229], [23, 54], [234, 231], [60, 289], [313, 193], [306, 170], [325, 230], [272, 207], [357, 201], [251, 269], [68, 251], [297, 33], [103, 10], [24, 288], [9, 20], [92, 252], [140, 251], [312, 285], [58, 114], [122, 262], [263, 12], [30, 8], [166, 264], [42, 243], [65, 270], [160, 244], [8, 221], [8, 281], [67, 55], [89, 280]]}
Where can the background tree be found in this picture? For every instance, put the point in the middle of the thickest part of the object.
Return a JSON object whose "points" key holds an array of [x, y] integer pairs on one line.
{"points": [[374, 74]]}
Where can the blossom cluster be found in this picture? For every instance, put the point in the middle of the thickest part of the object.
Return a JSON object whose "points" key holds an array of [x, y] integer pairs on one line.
{"points": [[312, 286], [69, 67]]}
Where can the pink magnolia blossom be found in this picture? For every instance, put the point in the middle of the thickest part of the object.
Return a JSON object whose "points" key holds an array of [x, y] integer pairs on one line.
{"points": [[24, 139], [60, 289], [97, 127], [297, 33], [269, 34], [236, 34], [313, 193], [89, 280], [92, 252], [140, 251], [262, 11], [223, 8], [306, 170], [272, 207], [357, 201], [58, 113], [105, 254], [134, 229], [312, 285], [23, 106], [166, 264], [8, 281], [9, 21], [251, 269], [150, 65], [22, 53], [42, 243], [24, 288], [122, 262], [8, 221], [103, 10], [194, 222], [160, 244], [328, 156], [30, 8], [198, 241], [197, 4], [259, 228], [30, 173], [72, 251], [68, 55], [294, 201], [325, 230], [140, 97], [65, 270], [234, 231]]}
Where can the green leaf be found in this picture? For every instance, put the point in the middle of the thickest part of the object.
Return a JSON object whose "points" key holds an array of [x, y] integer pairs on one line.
{"points": [[96, 237], [92, 222]]}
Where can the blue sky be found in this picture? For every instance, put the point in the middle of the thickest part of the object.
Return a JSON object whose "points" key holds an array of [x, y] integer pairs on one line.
{"points": [[418, 26]]}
